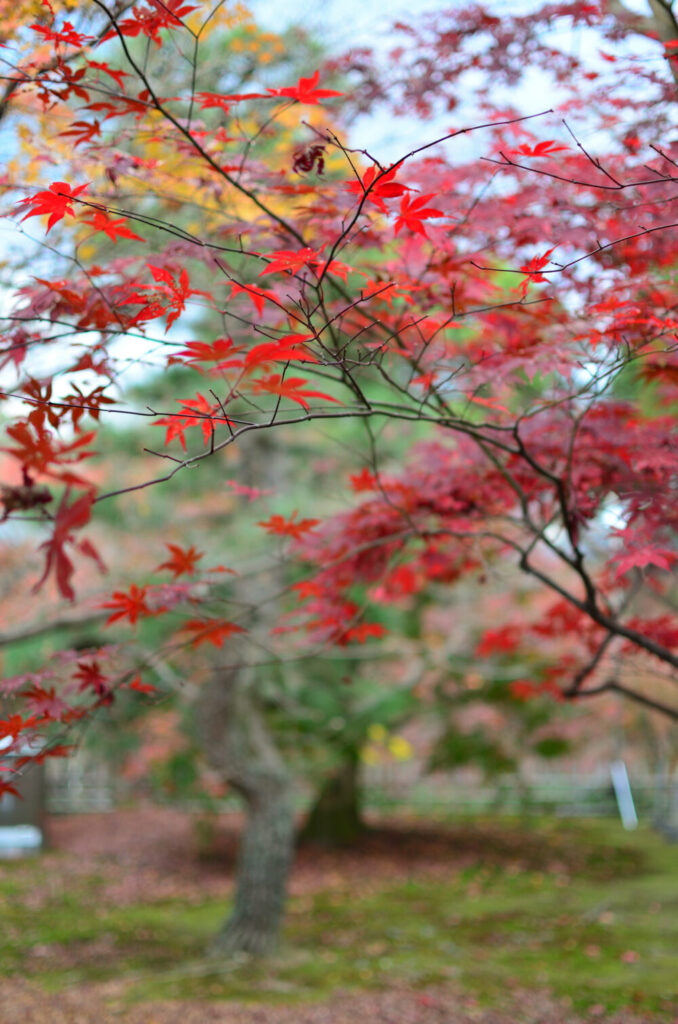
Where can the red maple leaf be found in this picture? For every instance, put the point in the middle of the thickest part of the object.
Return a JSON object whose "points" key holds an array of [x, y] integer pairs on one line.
{"points": [[45, 702], [503, 640], [58, 750], [128, 605], [306, 589], [289, 261], [183, 560], [113, 228], [141, 687], [413, 212], [251, 493], [291, 527], [640, 558], [305, 90], [165, 14], [36, 448], [210, 631], [541, 149], [15, 724], [523, 689], [82, 131], [194, 412], [213, 99], [532, 269], [67, 34], [362, 632], [256, 295], [113, 73], [384, 187], [55, 202], [287, 349], [215, 351], [289, 387], [175, 292], [91, 677], [68, 519], [363, 481]]}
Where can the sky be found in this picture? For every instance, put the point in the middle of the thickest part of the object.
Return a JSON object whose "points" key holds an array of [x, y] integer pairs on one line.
{"points": [[339, 23], [342, 24]]}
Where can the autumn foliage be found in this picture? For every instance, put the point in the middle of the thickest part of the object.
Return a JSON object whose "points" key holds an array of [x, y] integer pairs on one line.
{"points": [[518, 307]]}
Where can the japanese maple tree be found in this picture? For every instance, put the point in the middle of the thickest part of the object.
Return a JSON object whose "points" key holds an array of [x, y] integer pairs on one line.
{"points": [[514, 310]]}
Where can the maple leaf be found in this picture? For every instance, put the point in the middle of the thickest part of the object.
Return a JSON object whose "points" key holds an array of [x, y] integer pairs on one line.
{"points": [[141, 687], [209, 352], [401, 582], [523, 689], [183, 560], [115, 73], [68, 519], [363, 481], [129, 605], [55, 202], [114, 229], [37, 450], [194, 412], [640, 558], [82, 131], [386, 291], [541, 149], [306, 589], [305, 90], [57, 750], [81, 404], [289, 387], [291, 527], [413, 212], [15, 724], [376, 191], [287, 349], [210, 631], [45, 702], [289, 261], [532, 269], [66, 35], [251, 493], [90, 677], [208, 100], [256, 295], [504, 640], [176, 291], [165, 14], [362, 632], [339, 269]]}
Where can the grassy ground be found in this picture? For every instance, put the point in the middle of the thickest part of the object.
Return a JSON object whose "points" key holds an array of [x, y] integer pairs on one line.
{"points": [[582, 910]]}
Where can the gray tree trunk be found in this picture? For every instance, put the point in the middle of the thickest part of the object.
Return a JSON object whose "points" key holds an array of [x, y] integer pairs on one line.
{"points": [[238, 746]]}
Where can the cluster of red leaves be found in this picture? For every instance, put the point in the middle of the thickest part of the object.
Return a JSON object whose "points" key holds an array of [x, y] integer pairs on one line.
{"points": [[431, 326]]}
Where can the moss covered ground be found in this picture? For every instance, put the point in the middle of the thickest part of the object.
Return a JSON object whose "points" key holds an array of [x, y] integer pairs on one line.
{"points": [[582, 910]]}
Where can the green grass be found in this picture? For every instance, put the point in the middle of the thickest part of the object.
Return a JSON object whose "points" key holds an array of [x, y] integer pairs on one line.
{"points": [[589, 912]]}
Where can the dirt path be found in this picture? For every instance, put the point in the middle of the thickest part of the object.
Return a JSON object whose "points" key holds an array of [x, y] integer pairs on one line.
{"points": [[21, 1003]]}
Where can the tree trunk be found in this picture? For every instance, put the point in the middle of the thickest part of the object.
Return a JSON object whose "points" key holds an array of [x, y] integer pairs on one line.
{"points": [[335, 819], [238, 745]]}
